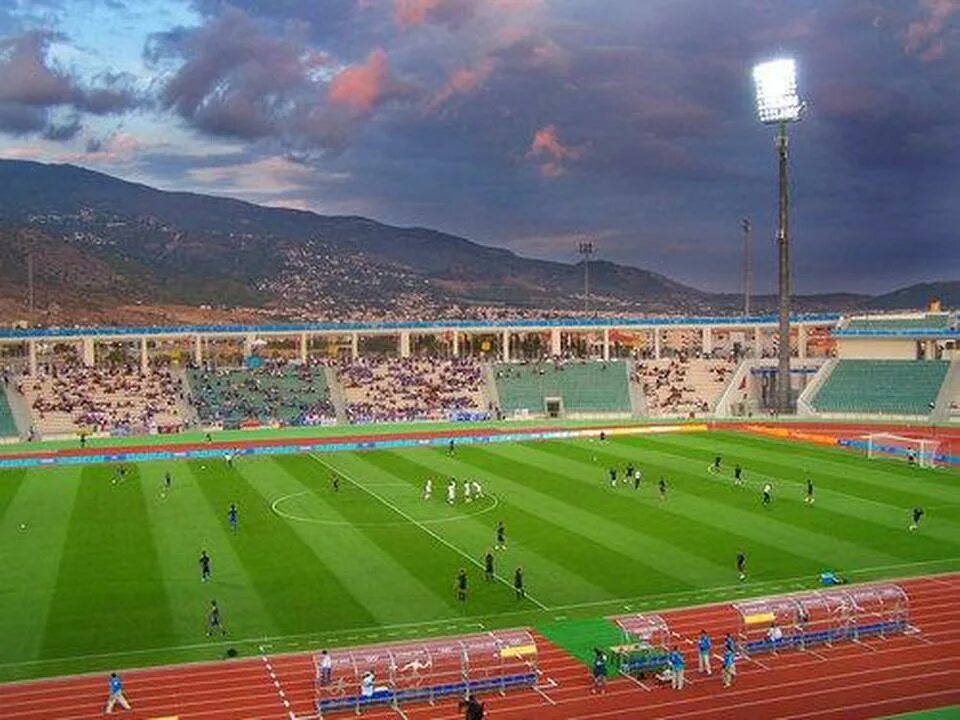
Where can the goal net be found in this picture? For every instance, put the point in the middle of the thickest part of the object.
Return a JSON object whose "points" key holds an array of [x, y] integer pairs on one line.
{"points": [[919, 451]]}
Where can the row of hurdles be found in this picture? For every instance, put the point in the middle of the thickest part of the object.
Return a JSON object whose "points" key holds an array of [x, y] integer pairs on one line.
{"points": [[498, 661]]}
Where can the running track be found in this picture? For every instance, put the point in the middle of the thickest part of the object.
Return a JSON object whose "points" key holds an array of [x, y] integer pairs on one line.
{"points": [[850, 681]]}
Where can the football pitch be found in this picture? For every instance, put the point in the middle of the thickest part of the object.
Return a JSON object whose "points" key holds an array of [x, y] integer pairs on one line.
{"points": [[99, 572]]}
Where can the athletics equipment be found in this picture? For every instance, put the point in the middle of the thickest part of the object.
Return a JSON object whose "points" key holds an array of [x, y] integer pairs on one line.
{"points": [[921, 451]]}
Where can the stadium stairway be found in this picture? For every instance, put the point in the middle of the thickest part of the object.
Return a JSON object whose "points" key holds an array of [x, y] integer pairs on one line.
{"points": [[19, 410], [947, 404], [336, 395], [187, 410], [490, 391], [638, 400]]}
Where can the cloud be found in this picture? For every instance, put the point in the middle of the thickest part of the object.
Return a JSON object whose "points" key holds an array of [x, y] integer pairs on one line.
{"points": [[925, 38], [31, 85], [463, 81], [550, 153], [452, 13], [361, 88]]}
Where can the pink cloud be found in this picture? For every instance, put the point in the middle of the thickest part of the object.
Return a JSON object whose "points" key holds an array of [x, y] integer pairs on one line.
{"points": [[462, 82], [360, 88], [551, 153], [410, 13], [925, 37]]}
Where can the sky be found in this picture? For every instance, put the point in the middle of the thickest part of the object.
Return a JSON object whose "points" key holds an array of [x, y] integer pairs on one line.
{"points": [[527, 124]]}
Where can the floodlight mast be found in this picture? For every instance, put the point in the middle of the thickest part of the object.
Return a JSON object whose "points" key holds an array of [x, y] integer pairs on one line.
{"points": [[779, 104]]}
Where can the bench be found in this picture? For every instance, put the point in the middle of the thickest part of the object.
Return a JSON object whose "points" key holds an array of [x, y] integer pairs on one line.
{"points": [[387, 696], [802, 639]]}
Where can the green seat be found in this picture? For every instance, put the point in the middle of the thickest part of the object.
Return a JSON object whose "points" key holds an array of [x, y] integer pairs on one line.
{"points": [[8, 428], [893, 387], [584, 386], [928, 322]]}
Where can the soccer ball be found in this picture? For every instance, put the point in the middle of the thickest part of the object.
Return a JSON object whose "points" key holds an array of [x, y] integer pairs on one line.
{"points": [[23, 526], [203, 467]]}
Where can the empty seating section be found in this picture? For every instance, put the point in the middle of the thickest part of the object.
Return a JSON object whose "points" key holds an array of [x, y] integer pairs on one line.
{"points": [[66, 400], [928, 322], [275, 393], [413, 389], [8, 427], [585, 386], [895, 387], [679, 386]]}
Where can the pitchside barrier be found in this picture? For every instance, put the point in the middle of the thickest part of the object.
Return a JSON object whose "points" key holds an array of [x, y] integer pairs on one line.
{"points": [[378, 675], [822, 617], [646, 644]]}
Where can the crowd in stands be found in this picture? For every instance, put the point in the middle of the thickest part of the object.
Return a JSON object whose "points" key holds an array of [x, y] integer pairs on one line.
{"points": [[681, 385], [277, 391], [415, 388], [73, 398]]}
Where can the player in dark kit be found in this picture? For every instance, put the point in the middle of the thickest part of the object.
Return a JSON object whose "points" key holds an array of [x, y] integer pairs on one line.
{"points": [[214, 621], [628, 473], [613, 477], [450, 450], [167, 480], [741, 566], [737, 475], [518, 583], [663, 488], [917, 515], [232, 517], [335, 482], [501, 536], [716, 465], [488, 573], [461, 585], [204, 566], [809, 498]]}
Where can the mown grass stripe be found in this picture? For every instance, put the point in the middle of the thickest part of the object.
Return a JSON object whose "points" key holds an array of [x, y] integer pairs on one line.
{"points": [[109, 592]]}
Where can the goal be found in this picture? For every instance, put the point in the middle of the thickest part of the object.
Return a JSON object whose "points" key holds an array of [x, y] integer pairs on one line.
{"points": [[921, 451]]}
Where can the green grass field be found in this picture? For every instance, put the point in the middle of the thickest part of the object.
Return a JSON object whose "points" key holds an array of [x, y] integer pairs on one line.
{"points": [[105, 575]]}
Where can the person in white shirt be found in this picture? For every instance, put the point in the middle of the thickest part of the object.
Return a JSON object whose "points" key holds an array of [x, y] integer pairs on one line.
{"points": [[477, 489], [428, 489], [367, 684], [466, 491], [451, 493]]}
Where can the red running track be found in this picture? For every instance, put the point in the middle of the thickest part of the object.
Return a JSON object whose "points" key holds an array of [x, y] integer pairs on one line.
{"points": [[850, 681]]}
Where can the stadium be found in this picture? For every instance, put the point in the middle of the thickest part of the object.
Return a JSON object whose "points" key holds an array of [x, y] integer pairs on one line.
{"points": [[264, 457]]}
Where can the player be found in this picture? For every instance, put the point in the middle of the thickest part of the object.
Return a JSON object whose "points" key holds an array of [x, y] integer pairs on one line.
{"points": [[637, 477], [599, 671], [461, 585], [766, 495], [628, 473], [809, 498], [477, 489], [663, 488], [116, 694], [917, 515], [518, 583], [167, 481], [451, 492], [214, 621], [204, 566], [232, 517], [466, 491], [228, 458], [427, 489], [335, 482], [501, 536], [613, 477], [450, 450], [715, 468], [120, 475], [737, 475], [488, 572], [741, 566]]}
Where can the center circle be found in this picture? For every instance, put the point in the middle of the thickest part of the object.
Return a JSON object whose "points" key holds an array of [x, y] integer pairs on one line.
{"points": [[275, 506]]}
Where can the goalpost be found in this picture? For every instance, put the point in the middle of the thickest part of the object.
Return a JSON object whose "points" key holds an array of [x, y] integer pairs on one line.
{"points": [[920, 451]]}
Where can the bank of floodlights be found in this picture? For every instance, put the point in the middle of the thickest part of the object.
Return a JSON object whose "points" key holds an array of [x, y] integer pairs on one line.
{"points": [[776, 86]]}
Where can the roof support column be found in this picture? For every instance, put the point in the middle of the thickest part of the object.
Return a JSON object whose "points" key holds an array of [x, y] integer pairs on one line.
{"points": [[89, 352], [555, 348], [606, 343]]}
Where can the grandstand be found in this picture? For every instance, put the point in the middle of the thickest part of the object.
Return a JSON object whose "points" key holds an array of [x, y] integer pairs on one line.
{"points": [[581, 387], [280, 393], [71, 399], [932, 321], [680, 386], [895, 387], [415, 388]]}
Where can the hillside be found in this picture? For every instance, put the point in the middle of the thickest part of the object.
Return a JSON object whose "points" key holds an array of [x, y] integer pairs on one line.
{"points": [[100, 243]]}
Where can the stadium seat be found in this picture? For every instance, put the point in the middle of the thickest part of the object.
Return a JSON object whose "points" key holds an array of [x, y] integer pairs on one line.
{"points": [[894, 387], [585, 386]]}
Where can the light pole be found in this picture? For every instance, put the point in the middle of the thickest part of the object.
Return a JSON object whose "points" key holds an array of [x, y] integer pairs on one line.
{"points": [[778, 104], [586, 250], [747, 227]]}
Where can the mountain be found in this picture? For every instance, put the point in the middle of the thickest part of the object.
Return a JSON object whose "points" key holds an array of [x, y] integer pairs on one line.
{"points": [[100, 244], [917, 296]]}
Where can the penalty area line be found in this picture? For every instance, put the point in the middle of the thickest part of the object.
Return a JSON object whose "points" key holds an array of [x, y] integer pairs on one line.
{"points": [[439, 538]]}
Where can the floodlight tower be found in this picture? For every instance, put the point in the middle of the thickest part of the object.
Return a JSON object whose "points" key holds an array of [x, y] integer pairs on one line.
{"points": [[586, 250], [778, 104], [747, 273]]}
